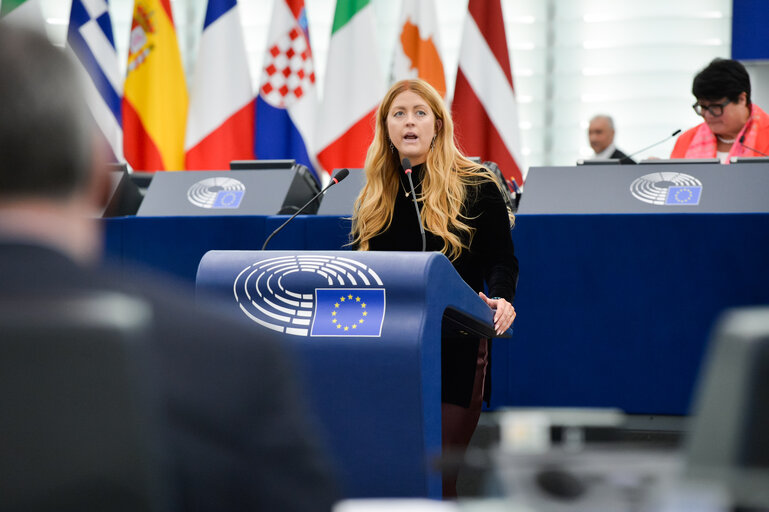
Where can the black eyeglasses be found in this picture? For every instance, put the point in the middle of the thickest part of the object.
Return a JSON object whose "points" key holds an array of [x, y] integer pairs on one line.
{"points": [[715, 109]]}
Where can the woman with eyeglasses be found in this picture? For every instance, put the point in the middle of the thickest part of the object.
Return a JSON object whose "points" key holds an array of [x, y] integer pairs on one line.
{"points": [[733, 126]]}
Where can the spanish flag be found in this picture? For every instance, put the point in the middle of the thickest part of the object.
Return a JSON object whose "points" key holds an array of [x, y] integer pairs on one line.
{"points": [[155, 93]]}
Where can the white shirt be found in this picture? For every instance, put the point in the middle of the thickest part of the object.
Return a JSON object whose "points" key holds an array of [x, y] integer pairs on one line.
{"points": [[606, 153]]}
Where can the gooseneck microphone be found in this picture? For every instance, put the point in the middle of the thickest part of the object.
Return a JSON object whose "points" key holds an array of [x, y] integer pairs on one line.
{"points": [[406, 163], [339, 176], [742, 143], [628, 157]]}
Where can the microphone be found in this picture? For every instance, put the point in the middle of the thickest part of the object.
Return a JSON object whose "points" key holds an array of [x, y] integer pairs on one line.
{"points": [[518, 192], [742, 143], [406, 163], [339, 176], [628, 157]]}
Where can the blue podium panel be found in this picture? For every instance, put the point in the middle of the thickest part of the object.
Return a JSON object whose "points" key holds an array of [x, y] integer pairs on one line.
{"points": [[175, 245], [615, 310], [367, 329]]}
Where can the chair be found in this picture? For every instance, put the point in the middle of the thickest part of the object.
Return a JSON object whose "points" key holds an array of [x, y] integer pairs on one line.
{"points": [[729, 440], [76, 422]]}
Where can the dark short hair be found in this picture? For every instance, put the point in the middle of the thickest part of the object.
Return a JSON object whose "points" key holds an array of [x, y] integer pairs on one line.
{"points": [[46, 130], [722, 78]]}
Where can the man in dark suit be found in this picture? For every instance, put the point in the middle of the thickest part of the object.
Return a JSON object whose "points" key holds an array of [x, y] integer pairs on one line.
{"points": [[233, 426], [601, 136]]}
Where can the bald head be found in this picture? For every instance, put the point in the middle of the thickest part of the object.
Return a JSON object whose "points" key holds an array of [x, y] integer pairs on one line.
{"points": [[601, 132]]}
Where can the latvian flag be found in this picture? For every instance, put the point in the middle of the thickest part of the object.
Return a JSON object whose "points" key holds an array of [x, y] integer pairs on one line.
{"points": [[220, 123], [90, 37], [484, 109], [287, 100]]}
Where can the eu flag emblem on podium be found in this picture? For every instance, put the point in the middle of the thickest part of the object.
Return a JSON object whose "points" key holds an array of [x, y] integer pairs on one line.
{"points": [[684, 195], [348, 312]]}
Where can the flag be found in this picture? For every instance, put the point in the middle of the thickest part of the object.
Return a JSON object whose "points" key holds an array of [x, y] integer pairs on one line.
{"points": [[220, 124], [484, 109], [416, 51], [287, 100], [26, 13], [155, 94], [90, 37], [348, 312], [353, 87]]}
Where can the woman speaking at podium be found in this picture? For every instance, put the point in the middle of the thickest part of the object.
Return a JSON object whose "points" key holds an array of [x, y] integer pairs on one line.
{"points": [[733, 125], [463, 215]]}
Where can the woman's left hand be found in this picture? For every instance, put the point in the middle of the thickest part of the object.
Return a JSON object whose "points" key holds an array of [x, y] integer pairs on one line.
{"points": [[504, 315]]}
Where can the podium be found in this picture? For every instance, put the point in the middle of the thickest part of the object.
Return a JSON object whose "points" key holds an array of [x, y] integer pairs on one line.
{"points": [[367, 330]]}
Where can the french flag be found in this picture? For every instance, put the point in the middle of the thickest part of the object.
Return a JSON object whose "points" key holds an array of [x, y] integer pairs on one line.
{"points": [[287, 100], [220, 122]]}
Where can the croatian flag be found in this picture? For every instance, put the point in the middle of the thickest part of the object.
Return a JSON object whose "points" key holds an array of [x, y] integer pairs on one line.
{"points": [[287, 100], [90, 37], [220, 122]]}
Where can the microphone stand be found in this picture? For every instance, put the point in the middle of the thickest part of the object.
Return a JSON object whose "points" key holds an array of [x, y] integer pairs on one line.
{"points": [[339, 176], [406, 163], [628, 157]]}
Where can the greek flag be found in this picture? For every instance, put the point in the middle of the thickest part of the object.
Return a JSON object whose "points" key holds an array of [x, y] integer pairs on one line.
{"points": [[90, 37]]}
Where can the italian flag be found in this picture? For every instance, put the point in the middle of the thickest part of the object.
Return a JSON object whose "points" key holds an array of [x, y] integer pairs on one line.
{"points": [[26, 13], [353, 88]]}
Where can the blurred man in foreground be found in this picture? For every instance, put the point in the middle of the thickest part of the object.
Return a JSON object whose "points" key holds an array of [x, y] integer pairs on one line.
{"points": [[235, 434]]}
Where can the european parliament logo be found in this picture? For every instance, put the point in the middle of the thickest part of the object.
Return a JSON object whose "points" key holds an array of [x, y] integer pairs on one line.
{"points": [[216, 192], [668, 189], [348, 312], [312, 295]]}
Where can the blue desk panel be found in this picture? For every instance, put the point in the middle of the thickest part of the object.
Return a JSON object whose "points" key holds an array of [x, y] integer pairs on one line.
{"points": [[613, 310]]}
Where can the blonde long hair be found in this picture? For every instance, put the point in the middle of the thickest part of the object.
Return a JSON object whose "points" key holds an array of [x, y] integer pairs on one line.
{"points": [[447, 175]]}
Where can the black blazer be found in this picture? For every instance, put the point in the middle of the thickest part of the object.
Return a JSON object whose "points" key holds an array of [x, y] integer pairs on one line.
{"points": [[237, 436], [622, 156], [490, 260]]}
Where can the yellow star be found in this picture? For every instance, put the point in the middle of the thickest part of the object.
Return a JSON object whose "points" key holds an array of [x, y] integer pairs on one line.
{"points": [[365, 313], [360, 321], [354, 326], [336, 305], [333, 313], [346, 328], [338, 326], [363, 305], [357, 299], [350, 296], [333, 321], [341, 298]]}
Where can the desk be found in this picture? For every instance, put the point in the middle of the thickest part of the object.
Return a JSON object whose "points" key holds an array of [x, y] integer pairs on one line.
{"points": [[614, 310]]}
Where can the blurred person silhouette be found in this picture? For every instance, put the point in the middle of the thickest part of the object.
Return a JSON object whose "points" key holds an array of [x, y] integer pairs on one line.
{"points": [[600, 133], [732, 124], [234, 433]]}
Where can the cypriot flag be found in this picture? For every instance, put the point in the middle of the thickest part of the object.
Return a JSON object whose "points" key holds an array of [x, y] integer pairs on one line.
{"points": [[417, 53]]}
